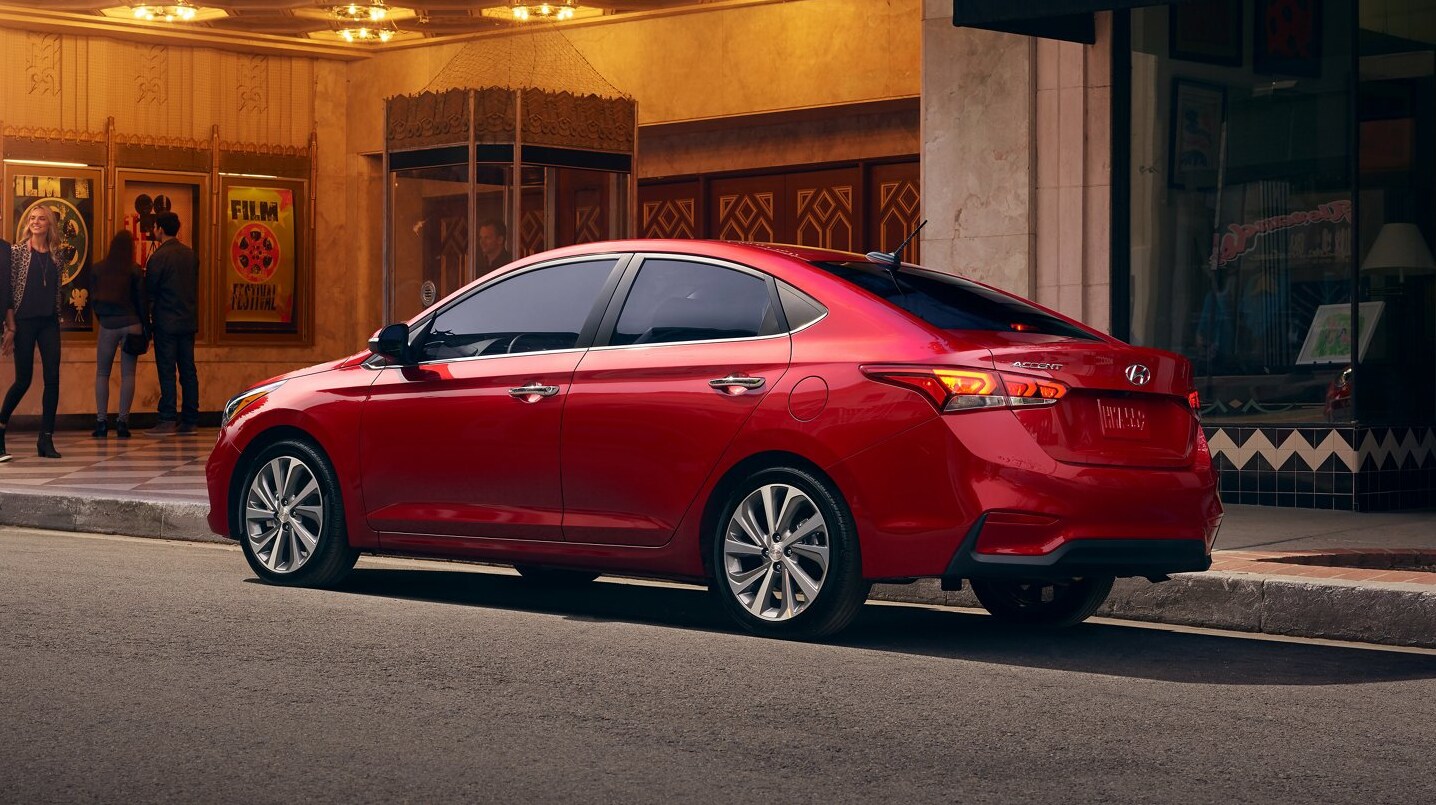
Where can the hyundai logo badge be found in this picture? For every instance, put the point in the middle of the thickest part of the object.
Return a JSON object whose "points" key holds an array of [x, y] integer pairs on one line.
{"points": [[1139, 374]]}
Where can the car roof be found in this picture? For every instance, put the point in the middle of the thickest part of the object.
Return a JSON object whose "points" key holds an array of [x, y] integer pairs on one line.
{"points": [[709, 248]]}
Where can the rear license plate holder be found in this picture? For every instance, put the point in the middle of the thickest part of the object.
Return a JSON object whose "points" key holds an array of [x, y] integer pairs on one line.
{"points": [[1122, 419]]}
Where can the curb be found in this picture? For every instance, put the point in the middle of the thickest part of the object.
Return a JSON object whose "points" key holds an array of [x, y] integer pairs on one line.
{"points": [[134, 516], [1371, 612]]}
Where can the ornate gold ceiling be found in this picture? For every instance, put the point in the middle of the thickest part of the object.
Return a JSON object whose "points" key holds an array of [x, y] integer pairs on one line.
{"points": [[310, 19]]}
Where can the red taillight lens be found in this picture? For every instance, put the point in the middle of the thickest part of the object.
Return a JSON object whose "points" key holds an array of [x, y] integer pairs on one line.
{"points": [[952, 389], [1194, 400]]}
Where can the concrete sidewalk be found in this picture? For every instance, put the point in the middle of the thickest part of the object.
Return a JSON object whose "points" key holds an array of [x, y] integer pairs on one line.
{"points": [[1340, 575]]}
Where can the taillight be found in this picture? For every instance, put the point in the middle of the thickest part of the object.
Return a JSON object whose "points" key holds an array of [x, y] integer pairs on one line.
{"points": [[1194, 400], [952, 390]]}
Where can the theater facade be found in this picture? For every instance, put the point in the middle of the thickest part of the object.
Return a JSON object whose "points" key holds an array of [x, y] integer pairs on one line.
{"points": [[1249, 183]]}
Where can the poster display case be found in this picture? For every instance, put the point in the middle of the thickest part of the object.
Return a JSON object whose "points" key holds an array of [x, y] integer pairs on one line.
{"points": [[75, 195]]}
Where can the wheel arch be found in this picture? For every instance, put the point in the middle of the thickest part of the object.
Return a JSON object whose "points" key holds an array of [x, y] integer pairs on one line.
{"points": [[718, 497], [261, 442]]}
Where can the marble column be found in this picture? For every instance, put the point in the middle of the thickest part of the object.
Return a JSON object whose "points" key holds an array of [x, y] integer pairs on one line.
{"points": [[978, 120]]}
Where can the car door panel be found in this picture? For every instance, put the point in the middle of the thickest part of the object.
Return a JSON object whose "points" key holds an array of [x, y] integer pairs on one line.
{"points": [[448, 449]]}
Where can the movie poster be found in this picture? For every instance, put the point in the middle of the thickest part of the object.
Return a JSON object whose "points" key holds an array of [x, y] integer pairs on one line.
{"points": [[260, 248], [72, 198], [142, 200]]}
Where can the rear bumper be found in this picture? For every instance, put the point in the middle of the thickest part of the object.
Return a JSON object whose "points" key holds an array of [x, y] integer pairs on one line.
{"points": [[1081, 557]]}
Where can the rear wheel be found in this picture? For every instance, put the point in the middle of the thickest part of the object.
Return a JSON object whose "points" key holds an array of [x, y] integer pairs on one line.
{"points": [[290, 520], [1043, 603], [555, 576], [786, 559]]}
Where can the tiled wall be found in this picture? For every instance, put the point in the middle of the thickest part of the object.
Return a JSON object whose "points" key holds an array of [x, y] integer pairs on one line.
{"points": [[1346, 467]]}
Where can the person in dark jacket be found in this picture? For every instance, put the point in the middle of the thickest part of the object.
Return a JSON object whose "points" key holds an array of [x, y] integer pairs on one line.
{"points": [[30, 292], [118, 298], [171, 283]]}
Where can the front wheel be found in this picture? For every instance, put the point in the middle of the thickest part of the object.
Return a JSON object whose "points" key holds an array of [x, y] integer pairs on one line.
{"points": [[1043, 603], [291, 519], [786, 559]]}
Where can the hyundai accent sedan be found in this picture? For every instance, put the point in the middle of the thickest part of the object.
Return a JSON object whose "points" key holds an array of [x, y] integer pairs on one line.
{"points": [[788, 425]]}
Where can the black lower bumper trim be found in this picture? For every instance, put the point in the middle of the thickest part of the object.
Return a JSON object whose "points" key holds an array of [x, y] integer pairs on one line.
{"points": [[1083, 557]]}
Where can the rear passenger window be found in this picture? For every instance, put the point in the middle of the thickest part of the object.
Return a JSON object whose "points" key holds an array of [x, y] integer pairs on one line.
{"points": [[679, 300]]}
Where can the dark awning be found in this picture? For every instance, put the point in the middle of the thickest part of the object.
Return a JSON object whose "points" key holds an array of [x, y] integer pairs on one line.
{"points": [[1054, 19]]}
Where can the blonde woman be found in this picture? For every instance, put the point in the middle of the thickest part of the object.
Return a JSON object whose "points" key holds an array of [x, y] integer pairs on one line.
{"points": [[30, 292]]}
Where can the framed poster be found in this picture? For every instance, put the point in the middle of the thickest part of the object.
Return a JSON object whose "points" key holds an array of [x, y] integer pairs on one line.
{"points": [[1328, 340], [142, 195], [1286, 37], [1198, 115], [73, 195], [1208, 31], [263, 254]]}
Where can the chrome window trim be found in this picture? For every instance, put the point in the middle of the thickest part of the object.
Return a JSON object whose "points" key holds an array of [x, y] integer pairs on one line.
{"points": [[690, 343]]}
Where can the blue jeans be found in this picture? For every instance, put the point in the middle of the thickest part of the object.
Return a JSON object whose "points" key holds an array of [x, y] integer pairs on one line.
{"points": [[176, 350], [105, 347]]}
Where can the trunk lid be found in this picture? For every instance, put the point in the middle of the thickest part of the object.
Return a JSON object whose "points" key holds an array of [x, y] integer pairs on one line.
{"points": [[1108, 416]]}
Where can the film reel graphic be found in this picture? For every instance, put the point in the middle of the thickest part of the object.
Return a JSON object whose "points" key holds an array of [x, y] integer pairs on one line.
{"points": [[255, 252], [74, 250]]}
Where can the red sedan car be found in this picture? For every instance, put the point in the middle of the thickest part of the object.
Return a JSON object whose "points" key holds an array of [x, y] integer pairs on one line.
{"points": [[786, 424]]}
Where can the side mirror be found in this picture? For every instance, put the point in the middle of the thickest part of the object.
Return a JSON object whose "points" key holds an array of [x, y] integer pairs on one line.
{"points": [[393, 343]]}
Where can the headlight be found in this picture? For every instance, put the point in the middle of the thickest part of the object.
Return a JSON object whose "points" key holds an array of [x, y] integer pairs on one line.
{"points": [[243, 401]]}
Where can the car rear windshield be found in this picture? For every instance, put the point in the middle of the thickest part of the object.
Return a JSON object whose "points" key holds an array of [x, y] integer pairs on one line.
{"points": [[952, 303]]}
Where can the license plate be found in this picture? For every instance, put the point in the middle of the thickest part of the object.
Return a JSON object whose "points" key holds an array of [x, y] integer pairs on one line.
{"points": [[1122, 420]]}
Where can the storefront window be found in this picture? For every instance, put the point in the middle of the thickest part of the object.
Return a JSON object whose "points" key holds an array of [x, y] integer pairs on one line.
{"points": [[1395, 383], [1242, 205]]}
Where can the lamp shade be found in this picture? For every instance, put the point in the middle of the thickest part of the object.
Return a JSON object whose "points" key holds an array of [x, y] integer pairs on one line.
{"points": [[1399, 249]]}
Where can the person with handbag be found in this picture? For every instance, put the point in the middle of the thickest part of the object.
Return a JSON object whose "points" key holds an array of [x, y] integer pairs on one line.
{"points": [[119, 302], [30, 292]]}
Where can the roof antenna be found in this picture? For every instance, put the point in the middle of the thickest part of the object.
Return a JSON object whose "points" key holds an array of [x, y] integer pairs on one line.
{"points": [[893, 260]]}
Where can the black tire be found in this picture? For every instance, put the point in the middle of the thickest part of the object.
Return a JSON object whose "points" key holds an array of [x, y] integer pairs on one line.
{"points": [[555, 576], [841, 590], [1043, 603], [331, 558]]}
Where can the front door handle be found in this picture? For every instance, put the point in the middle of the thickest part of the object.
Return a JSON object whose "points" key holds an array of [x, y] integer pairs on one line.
{"points": [[533, 392], [736, 384]]}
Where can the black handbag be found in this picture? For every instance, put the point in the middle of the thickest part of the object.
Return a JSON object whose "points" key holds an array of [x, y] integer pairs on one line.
{"points": [[136, 343]]}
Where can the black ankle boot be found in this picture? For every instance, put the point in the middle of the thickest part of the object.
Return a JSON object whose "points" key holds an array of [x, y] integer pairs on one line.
{"points": [[122, 429], [4, 454], [102, 429], [46, 448]]}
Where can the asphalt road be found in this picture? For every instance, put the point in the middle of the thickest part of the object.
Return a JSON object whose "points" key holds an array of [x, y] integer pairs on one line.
{"points": [[150, 671]]}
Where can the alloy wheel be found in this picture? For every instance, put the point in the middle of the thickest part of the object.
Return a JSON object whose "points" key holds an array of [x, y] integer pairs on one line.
{"points": [[776, 552], [284, 514]]}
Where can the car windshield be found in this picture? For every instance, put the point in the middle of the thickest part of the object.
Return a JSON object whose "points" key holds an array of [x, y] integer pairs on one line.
{"points": [[950, 302]]}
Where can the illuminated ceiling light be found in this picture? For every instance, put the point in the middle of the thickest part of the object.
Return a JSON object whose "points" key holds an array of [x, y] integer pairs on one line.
{"points": [[552, 10], [365, 23], [179, 11]]}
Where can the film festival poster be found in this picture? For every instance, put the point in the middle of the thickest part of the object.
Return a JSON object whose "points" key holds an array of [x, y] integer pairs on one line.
{"points": [[72, 198], [261, 251], [142, 199]]}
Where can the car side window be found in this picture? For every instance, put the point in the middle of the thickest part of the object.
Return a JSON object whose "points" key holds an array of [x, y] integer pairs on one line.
{"points": [[798, 307], [680, 300], [534, 311]]}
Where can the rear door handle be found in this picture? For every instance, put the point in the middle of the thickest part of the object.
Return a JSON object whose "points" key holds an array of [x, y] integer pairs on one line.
{"points": [[736, 384], [533, 392]]}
